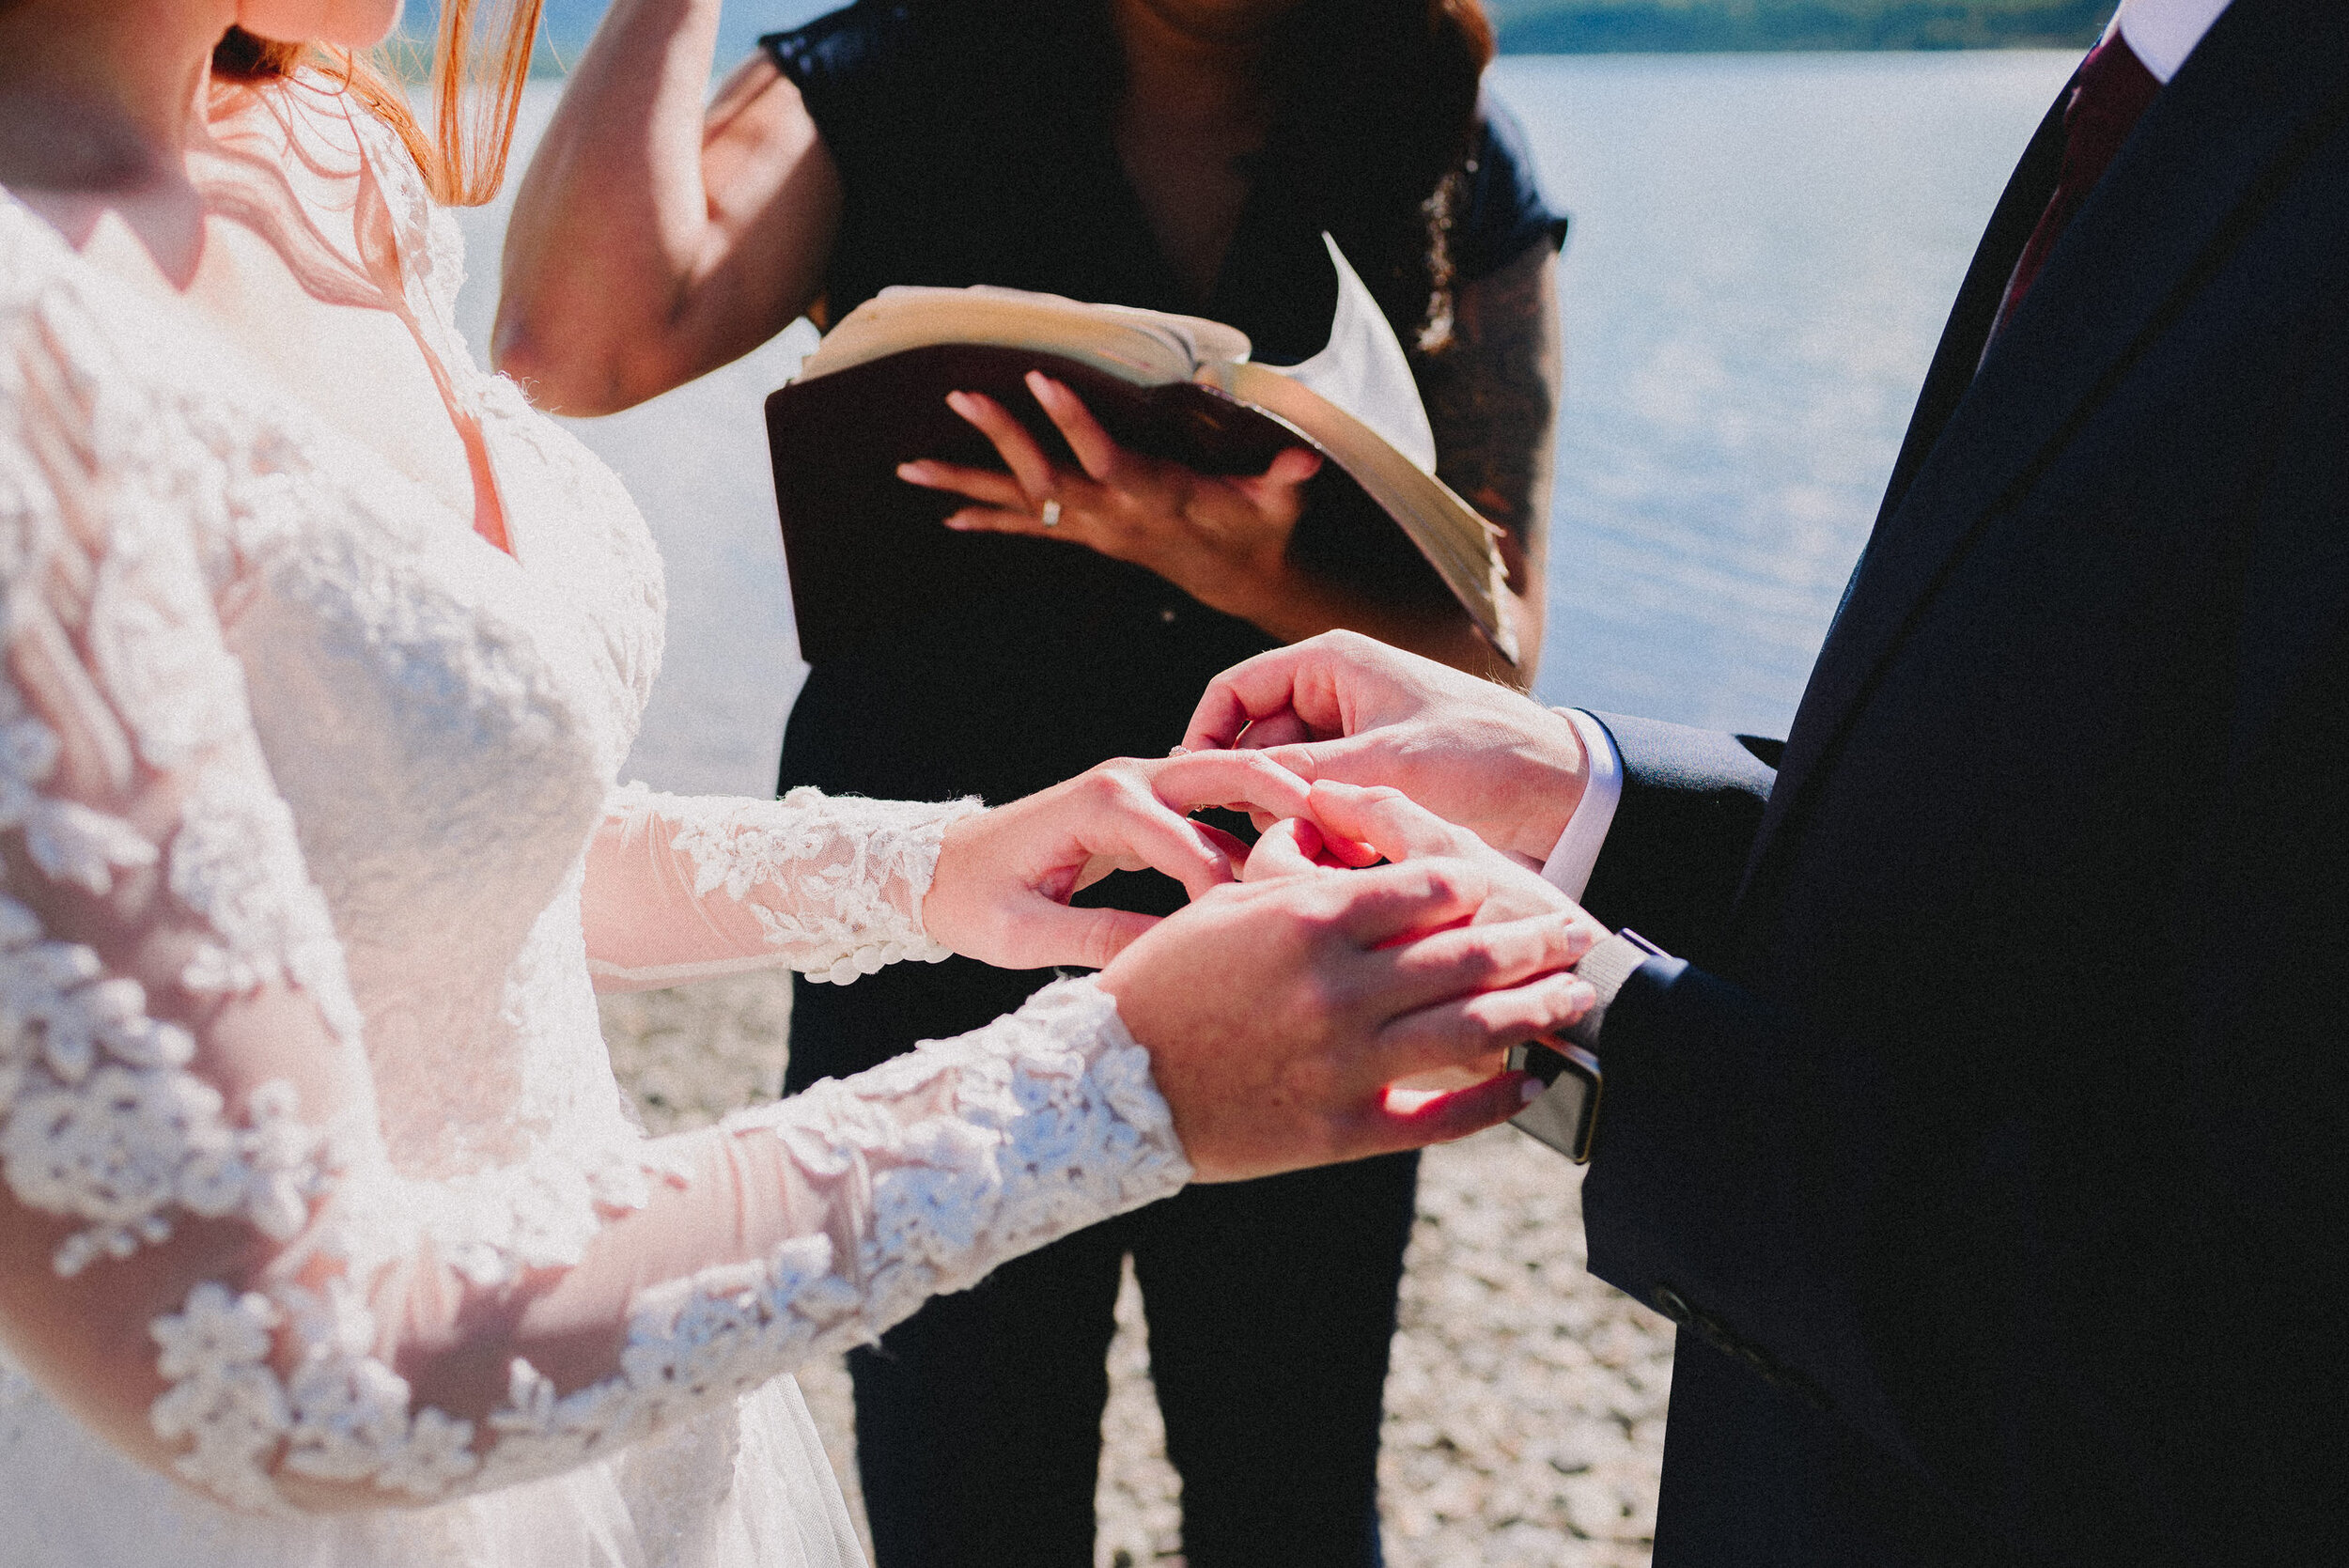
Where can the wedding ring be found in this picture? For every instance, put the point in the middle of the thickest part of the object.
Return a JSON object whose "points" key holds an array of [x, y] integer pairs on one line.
{"points": [[1050, 514]]}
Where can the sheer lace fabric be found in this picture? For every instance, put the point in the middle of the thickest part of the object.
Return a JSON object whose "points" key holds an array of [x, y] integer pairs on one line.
{"points": [[835, 884], [314, 1186]]}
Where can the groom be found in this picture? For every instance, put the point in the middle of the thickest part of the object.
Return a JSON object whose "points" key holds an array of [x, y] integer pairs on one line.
{"points": [[1987, 1130]]}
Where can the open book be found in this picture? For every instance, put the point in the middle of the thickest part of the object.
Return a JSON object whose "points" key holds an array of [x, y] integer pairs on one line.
{"points": [[1173, 386]]}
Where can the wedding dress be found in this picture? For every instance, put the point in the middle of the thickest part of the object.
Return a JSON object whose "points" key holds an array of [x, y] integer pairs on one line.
{"points": [[328, 1239]]}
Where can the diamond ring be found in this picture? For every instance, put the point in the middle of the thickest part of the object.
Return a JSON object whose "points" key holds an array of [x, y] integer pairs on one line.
{"points": [[1050, 515]]}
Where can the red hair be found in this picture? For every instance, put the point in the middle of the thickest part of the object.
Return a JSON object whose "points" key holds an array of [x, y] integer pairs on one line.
{"points": [[480, 59]]}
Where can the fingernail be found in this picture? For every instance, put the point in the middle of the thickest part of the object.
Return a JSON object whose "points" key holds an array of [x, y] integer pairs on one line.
{"points": [[1039, 383], [958, 401], [1580, 996], [1530, 1091], [914, 471]]}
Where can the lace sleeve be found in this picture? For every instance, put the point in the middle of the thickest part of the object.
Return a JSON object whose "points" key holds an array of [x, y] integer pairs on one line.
{"points": [[205, 1251], [682, 888]]}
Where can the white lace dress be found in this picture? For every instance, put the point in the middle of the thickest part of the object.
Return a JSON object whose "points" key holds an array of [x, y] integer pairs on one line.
{"points": [[325, 1236]]}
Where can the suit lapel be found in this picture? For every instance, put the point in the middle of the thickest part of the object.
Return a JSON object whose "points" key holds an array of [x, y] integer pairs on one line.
{"points": [[2195, 172]]}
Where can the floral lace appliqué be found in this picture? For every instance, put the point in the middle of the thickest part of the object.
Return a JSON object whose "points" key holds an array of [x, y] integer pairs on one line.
{"points": [[1040, 1123], [836, 883]]}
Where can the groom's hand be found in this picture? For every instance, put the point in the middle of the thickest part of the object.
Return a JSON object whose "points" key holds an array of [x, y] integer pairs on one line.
{"points": [[1004, 880], [1350, 826], [1342, 707], [1277, 1013]]}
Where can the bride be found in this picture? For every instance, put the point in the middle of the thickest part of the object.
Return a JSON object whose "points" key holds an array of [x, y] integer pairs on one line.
{"points": [[325, 1236]]}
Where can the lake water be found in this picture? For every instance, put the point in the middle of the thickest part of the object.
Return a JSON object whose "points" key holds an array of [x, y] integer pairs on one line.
{"points": [[1764, 249]]}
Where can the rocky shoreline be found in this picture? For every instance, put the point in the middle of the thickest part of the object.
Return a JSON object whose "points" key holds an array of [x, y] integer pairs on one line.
{"points": [[1525, 1410]]}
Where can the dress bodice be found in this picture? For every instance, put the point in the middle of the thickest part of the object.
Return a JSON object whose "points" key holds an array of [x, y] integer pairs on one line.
{"points": [[444, 721]]}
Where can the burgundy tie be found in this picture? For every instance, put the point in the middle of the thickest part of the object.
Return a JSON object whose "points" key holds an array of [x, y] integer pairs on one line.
{"points": [[2114, 87]]}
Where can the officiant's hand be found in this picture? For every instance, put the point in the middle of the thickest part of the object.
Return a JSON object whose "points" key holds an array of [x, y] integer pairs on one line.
{"points": [[1222, 540], [1004, 880], [1279, 1012], [1344, 706]]}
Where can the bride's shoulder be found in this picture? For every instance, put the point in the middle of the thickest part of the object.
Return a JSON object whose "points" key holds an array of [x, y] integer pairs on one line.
{"points": [[330, 142], [52, 329]]}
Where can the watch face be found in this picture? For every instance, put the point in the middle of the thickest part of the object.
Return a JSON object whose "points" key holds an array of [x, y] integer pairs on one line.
{"points": [[1562, 1117]]}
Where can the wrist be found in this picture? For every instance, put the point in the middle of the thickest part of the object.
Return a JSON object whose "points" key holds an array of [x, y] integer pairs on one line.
{"points": [[942, 913], [1556, 770]]}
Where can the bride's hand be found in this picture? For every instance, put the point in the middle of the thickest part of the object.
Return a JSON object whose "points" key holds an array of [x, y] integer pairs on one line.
{"points": [[1004, 880], [1222, 540]]}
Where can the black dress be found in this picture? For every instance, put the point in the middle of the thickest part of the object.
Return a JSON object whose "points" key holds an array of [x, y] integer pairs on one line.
{"points": [[974, 146]]}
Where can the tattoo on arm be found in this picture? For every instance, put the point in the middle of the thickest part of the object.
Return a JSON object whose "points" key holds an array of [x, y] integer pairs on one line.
{"points": [[1492, 399]]}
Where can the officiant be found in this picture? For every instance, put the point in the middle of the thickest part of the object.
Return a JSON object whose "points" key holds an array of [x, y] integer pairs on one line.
{"points": [[1180, 155]]}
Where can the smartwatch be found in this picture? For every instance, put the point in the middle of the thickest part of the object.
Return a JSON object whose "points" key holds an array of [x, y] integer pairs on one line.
{"points": [[1565, 1113]]}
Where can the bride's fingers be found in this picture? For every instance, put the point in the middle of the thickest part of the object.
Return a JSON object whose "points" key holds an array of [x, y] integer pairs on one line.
{"points": [[1285, 849], [1192, 853], [1011, 440], [1242, 780], [1082, 938]]}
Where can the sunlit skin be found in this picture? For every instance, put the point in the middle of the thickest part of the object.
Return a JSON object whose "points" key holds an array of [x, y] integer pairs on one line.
{"points": [[112, 130]]}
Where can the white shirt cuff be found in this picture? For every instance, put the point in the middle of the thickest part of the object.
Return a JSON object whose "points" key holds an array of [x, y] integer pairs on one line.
{"points": [[1570, 864]]}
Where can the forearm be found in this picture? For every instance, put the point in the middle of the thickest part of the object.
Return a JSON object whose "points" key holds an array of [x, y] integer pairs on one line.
{"points": [[681, 888], [1492, 398], [616, 278], [420, 1340]]}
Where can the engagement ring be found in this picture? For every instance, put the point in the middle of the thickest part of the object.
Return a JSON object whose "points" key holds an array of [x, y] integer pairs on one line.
{"points": [[1051, 514]]}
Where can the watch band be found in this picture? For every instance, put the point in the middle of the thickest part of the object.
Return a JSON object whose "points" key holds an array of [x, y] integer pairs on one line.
{"points": [[1605, 968], [1565, 1114]]}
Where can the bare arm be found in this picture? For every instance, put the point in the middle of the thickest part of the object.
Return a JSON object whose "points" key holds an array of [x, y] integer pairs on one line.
{"points": [[1492, 398], [653, 241]]}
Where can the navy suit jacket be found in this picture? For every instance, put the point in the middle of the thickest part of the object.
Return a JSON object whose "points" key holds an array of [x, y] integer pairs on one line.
{"points": [[1992, 1141]]}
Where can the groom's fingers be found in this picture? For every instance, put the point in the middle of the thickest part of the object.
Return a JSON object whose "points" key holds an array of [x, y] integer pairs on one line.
{"points": [[1274, 729], [1391, 901], [1473, 1030], [1415, 1121], [1468, 959], [1388, 820], [1297, 680]]}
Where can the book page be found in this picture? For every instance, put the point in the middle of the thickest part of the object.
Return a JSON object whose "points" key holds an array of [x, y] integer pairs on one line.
{"points": [[1364, 371], [1145, 346]]}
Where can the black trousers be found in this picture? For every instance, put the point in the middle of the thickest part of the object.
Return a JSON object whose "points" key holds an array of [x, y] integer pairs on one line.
{"points": [[1271, 1306]]}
